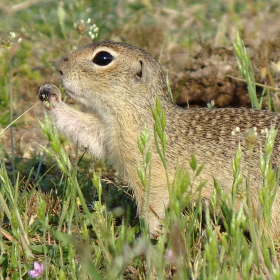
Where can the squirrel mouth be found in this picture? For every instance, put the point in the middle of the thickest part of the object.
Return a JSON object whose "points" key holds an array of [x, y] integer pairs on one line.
{"points": [[69, 92]]}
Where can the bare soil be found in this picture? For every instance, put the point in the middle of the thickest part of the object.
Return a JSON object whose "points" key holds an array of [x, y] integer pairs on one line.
{"points": [[201, 70]]}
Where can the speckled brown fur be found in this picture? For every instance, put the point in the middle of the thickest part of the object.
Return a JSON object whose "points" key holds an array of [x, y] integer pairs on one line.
{"points": [[120, 96]]}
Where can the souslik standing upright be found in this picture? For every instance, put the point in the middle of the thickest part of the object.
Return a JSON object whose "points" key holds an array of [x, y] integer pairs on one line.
{"points": [[119, 83]]}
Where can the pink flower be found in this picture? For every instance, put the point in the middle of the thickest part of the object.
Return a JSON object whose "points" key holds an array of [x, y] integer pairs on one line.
{"points": [[38, 270]]}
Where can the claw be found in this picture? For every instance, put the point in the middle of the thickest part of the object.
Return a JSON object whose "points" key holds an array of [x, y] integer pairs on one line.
{"points": [[43, 94], [49, 94]]}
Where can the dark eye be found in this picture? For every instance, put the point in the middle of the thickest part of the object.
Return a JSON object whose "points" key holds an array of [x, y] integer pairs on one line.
{"points": [[102, 58]]}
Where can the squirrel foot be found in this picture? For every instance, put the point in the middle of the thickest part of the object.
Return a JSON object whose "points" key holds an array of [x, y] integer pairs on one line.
{"points": [[50, 96]]}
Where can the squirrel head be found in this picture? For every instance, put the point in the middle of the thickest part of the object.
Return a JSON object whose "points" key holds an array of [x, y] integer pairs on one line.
{"points": [[112, 75]]}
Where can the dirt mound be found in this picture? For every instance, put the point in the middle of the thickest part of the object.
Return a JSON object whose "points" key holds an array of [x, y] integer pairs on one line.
{"points": [[199, 67], [207, 75]]}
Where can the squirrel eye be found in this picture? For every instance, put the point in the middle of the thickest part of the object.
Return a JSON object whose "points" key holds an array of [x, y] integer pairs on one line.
{"points": [[102, 58]]}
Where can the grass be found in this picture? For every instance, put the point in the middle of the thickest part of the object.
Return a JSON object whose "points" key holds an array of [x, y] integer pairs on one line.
{"points": [[77, 242], [54, 210]]}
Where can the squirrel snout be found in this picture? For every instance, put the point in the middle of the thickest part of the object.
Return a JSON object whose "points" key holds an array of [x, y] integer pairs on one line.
{"points": [[60, 63]]}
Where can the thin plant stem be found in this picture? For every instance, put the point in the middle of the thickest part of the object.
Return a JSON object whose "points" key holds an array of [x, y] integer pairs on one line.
{"points": [[16, 119], [11, 114]]}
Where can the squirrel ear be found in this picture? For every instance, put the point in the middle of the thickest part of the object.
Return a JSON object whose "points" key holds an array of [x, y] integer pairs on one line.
{"points": [[139, 73], [142, 73]]}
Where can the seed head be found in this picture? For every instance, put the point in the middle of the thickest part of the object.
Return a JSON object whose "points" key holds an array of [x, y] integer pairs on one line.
{"points": [[83, 27], [236, 131], [251, 137], [5, 41], [80, 27]]}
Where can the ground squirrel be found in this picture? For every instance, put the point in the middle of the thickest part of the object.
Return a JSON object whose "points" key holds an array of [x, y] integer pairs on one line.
{"points": [[119, 83]]}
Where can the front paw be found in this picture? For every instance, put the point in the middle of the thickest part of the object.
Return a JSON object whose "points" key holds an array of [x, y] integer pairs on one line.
{"points": [[50, 96]]}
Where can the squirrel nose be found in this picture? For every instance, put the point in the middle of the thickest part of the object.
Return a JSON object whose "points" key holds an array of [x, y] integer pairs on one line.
{"points": [[59, 65]]}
